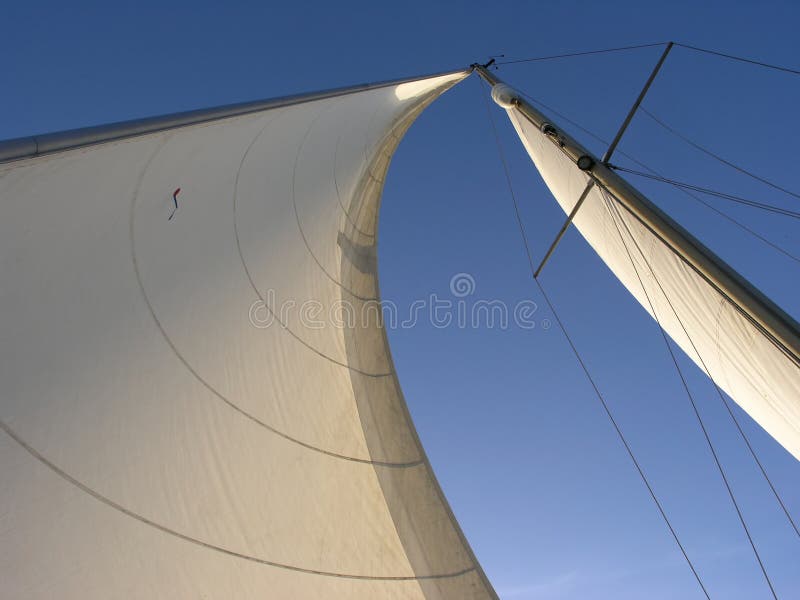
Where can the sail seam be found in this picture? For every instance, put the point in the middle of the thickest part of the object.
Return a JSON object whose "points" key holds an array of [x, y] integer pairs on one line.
{"points": [[269, 308], [187, 538], [297, 215], [418, 443], [339, 195], [199, 378]]}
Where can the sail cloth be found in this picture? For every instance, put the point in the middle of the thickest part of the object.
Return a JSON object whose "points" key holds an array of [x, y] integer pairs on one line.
{"points": [[758, 375], [184, 414]]}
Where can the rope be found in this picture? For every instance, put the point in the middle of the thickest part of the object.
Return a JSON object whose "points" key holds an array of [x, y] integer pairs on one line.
{"points": [[583, 366], [585, 53], [695, 197], [725, 196], [716, 156], [740, 59], [637, 46], [722, 214], [614, 216], [746, 228]]}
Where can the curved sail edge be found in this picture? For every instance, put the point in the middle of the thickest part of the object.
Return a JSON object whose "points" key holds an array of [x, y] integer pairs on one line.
{"points": [[183, 414], [762, 379]]}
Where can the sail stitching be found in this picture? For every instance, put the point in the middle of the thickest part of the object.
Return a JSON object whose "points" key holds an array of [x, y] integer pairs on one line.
{"points": [[266, 304], [297, 215], [339, 195], [202, 380], [187, 538]]}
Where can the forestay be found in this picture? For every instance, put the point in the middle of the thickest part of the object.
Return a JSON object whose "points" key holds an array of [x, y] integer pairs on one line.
{"points": [[183, 413]]}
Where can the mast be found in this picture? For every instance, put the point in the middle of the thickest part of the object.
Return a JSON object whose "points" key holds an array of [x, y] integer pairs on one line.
{"points": [[767, 316]]}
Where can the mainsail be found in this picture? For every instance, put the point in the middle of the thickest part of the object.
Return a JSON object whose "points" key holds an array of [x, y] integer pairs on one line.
{"points": [[182, 415], [753, 357]]}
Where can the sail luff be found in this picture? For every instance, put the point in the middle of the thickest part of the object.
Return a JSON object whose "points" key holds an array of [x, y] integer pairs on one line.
{"points": [[768, 316], [37, 145]]}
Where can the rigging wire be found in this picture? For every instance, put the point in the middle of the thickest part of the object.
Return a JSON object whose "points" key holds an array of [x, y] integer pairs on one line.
{"points": [[746, 228], [528, 252], [716, 156], [615, 215], [740, 59], [650, 45], [725, 196], [688, 193], [585, 53], [580, 360], [722, 214]]}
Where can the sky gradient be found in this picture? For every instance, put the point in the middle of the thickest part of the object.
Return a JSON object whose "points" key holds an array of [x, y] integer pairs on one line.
{"points": [[540, 484]]}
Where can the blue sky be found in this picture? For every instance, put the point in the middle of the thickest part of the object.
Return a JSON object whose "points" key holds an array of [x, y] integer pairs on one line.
{"points": [[547, 497]]}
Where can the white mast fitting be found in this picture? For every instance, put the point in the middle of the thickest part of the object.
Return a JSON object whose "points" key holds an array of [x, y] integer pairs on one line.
{"points": [[742, 340], [164, 434]]}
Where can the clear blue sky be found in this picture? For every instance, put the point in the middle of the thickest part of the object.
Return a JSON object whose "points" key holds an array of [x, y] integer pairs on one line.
{"points": [[539, 482]]}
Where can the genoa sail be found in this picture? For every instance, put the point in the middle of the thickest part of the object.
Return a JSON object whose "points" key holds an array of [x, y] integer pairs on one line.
{"points": [[759, 374], [183, 416]]}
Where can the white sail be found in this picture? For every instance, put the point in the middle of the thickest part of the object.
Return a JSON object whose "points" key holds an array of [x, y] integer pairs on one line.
{"points": [[164, 434], [758, 375]]}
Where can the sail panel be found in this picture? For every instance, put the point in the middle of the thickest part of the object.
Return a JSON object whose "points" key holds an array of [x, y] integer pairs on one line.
{"points": [[185, 412], [727, 346]]}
